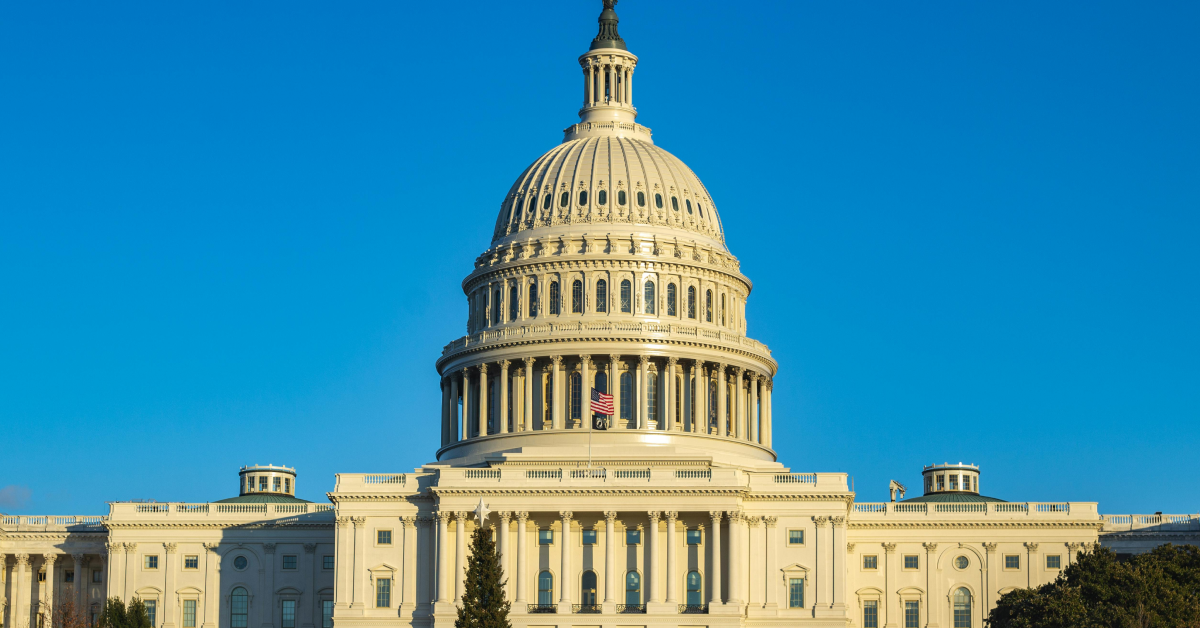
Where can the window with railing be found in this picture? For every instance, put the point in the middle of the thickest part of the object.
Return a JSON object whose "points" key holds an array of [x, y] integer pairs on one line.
{"points": [[545, 595], [587, 589], [633, 588], [693, 582]]}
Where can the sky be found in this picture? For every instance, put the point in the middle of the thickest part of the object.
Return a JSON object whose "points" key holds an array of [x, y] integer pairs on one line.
{"points": [[234, 233]]}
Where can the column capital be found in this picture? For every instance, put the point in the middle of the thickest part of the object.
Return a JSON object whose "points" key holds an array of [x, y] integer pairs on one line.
{"points": [[130, 548], [821, 522], [504, 365], [170, 547], [483, 368], [672, 361], [269, 548], [522, 516], [466, 371], [614, 357], [408, 520], [770, 521], [654, 516], [358, 521], [716, 515], [529, 360], [737, 371], [889, 548], [586, 359], [505, 516], [753, 520], [838, 521], [211, 547], [461, 516], [671, 516], [849, 548], [770, 383], [49, 558], [734, 515], [342, 522], [1071, 546], [990, 547], [566, 515], [1032, 547], [610, 515], [78, 558], [643, 360], [556, 360], [443, 516], [310, 548], [930, 547], [22, 560]]}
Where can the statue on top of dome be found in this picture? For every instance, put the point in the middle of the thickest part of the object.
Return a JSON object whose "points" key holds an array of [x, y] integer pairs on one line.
{"points": [[608, 36]]}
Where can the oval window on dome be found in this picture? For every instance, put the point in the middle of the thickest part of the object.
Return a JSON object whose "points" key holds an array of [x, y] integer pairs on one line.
{"points": [[641, 199], [546, 202], [602, 197], [658, 200], [620, 197], [701, 208], [674, 203], [532, 203], [689, 205], [583, 197], [565, 200]]}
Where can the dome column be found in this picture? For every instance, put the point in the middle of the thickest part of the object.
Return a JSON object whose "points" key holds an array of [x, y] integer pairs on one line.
{"points": [[629, 85], [483, 399], [564, 598], [528, 395], [556, 416], [754, 379], [739, 404], [722, 393], [714, 582], [670, 388], [465, 414], [503, 400], [767, 427], [614, 386], [641, 406], [445, 411], [588, 71], [585, 391]]}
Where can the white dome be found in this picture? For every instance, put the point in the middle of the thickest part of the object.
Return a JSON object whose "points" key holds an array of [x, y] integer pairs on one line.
{"points": [[601, 177]]}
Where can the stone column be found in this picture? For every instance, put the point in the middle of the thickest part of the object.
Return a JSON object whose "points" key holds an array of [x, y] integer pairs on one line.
{"points": [[452, 412], [739, 404], [722, 413], [527, 420], [483, 399], [408, 560], [714, 584], [128, 566], [930, 550], [502, 402], [990, 589], [652, 588], [358, 575], [771, 572], [269, 568], [78, 561], [824, 568], [612, 83], [585, 391], [443, 566], [671, 363], [1031, 563], [565, 580], [465, 419], [460, 555], [588, 89], [736, 557], [614, 386], [445, 411], [629, 88], [610, 541], [522, 574], [18, 609], [693, 382], [505, 521], [555, 379], [306, 611], [341, 575], [213, 596], [767, 427], [754, 412], [642, 407], [48, 560], [167, 619], [839, 562], [891, 601], [672, 585]]}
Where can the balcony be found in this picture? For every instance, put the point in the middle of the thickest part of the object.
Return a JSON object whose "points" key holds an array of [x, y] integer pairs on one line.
{"points": [[584, 609], [631, 609], [42, 523], [1075, 511], [128, 512], [1157, 522], [541, 608], [693, 609]]}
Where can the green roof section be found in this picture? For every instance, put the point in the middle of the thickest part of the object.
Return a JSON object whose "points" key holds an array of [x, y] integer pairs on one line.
{"points": [[263, 498], [952, 497]]}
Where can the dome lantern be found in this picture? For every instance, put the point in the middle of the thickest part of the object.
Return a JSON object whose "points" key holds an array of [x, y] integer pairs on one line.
{"points": [[608, 86], [951, 478]]}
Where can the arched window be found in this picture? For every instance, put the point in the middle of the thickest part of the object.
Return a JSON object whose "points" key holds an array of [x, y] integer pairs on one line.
{"points": [[548, 401], [633, 589], [587, 588], [577, 297], [649, 296], [602, 382], [712, 402], [658, 200], [533, 299], [532, 204], [641, 199], [674, 203], [554, 301], [620, 197], [693, 588], [514, 303], [583, 197], [962, 608], [626, 395], [545, 588], [626, 296], [601, 296], [576, 396], [652, 398], [602, 197], [707, 304], [239, 604], [678, 400], [546, 202], [691, 305], [670, 299], [689, 205], [496, 307], [565, 200], [722, 310]]}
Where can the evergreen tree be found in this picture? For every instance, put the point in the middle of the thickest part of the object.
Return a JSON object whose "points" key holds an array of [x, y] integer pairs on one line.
{"points": [[483, 601], [113, 615], [136, 615]]}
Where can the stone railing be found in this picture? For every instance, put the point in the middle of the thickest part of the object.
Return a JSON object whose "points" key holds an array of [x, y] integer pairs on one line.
{"points": [[124, 512], [376, 482], [651, 476], [1001, 510], [580, 329], [1151, 523], [15, 523]]}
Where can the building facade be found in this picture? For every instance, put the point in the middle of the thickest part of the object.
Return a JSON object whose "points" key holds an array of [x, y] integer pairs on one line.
{"points": [[608, 271]]}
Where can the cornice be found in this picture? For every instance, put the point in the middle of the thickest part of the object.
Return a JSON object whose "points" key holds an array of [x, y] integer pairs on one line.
{"points": [[974, 525], [56, 534], [515, 269], [1151, 536], [846, 498], [713, 492], [339, 498], [198, 525]]}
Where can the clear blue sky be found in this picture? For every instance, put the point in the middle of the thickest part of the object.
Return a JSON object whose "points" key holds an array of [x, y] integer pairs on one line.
{"points": [[233, 233]]}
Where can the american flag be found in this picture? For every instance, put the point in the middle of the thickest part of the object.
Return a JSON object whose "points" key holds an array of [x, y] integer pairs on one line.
{"points": [[601, 403]]}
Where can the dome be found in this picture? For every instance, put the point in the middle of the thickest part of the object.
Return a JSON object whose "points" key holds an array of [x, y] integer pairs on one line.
{"points": [[609, 182]]}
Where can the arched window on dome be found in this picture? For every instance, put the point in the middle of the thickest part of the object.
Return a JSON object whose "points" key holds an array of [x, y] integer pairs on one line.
{"points": [[239, 608], [577, 297], [546, 202], [554, 300], [532, 204], [533, 299], [514, 302], [626, 296], [626, 395], [658, 200], [962, 608], [701, 208], [641, 199], [691, 302], [565, 200], [671, 299], [496, 307], [674, 203], [678, 399], [652, 398], [712, 405], [649, 297], [707, 305], [689, 205], [620, 197], [602, 382], [548, 401], [602, 197], [583, 197], [601, 296], [722, 310], [576, 396]]}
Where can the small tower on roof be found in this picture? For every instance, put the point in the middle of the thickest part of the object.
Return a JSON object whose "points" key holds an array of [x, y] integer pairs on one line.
{"points": [[608, 84]]}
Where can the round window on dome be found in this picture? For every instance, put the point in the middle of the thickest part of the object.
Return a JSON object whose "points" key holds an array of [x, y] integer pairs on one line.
{"points": [[961, 562], [621, 197], [602, 197], [583, 197], [566, 199], [240, 563], [658, 200], [689, 205]]}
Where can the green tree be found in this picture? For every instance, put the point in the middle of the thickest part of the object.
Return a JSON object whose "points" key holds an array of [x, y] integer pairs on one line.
{"points": [[136, 615], [1159, 589], [113, 615], [483, 602]]}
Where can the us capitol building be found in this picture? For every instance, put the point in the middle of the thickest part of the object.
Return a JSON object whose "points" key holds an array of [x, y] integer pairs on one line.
{"points": [[608, 268]]}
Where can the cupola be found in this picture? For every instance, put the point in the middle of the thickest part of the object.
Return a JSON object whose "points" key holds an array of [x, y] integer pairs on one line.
{"points": [[951, 478], [267, 480]]}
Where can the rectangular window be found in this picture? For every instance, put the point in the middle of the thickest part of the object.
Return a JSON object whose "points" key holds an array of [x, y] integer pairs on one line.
{"points": [[941, 482], [912, 561], [796, 593], [191, 562], [693, 537], [1012, 561], [152, 611], [383, 592], [97, 576], [262, 483], [277, 485], [633, 537], [966, 482], [152, 561], [954, 482], [41, 576], [289, 614], [870, 562], [795, 537], [383, 537], [589, 537], [326, 562], [1054, 561], [326, 613], [912, 614], [871, 614], [189, 614], [289, 561], [545, 537], [68, 576]]}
